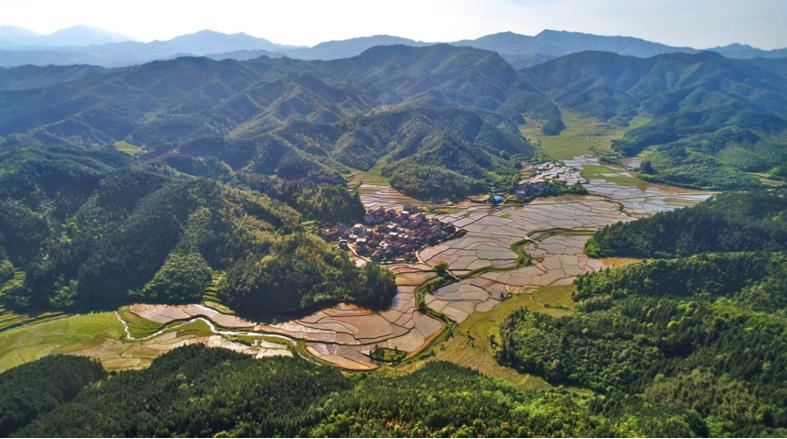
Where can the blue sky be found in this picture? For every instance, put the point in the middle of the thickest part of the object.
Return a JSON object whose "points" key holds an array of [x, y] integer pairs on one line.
{"points": [[697, 23]]}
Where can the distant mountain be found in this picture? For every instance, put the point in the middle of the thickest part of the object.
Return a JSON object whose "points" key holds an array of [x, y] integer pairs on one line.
{"points": [[297, 119], [208, 41], [558, 43], [725, 115], [244, 55], [524, 51], [746, 51], [81, 36], [349, 48], [125, 53], [12, 37], [83, 45], [42, 57]]}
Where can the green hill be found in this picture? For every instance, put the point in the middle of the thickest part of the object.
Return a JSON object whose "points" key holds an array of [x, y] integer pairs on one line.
{"points": [[297, 120], [713, 118], [93, 229], [201, 392]]}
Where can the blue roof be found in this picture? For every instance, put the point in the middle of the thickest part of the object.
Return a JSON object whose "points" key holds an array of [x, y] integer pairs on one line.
{"points": [[497, 198]]}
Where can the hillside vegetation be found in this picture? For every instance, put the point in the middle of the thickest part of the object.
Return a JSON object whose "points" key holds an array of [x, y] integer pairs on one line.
{"points": [[745, 221], [296, 120], [36, 388], [699, 333], [93, 230], [208, 392], [713, 119]]}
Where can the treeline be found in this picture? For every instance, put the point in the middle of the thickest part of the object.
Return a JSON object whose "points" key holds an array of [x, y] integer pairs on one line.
{"points": [[709, 275], [33, 389], [432, 182], [300, 273], [740, 221], [330, 203], [702, 334], [201, 392], [91, 233]]}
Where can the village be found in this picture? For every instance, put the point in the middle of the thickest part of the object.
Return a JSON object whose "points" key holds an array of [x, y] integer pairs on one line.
{"points": [[543, 180], [547, 179], [387, 236]]}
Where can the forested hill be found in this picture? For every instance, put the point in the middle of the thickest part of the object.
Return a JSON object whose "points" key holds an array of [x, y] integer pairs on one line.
{"points": [[250, 114], [714, 118], [702, 333], [738, 221], [200, 392], [91, 228], [714, 121]]}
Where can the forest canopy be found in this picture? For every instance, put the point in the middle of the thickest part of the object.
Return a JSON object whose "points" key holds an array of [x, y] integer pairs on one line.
{"points": [[734, 221], [95, 232], [202, 392]]}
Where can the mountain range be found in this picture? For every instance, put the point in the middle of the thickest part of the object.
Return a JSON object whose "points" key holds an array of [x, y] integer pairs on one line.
{"points": [[292, 118], [85, 45], [440, 120], [13, 37], [712, 118]]}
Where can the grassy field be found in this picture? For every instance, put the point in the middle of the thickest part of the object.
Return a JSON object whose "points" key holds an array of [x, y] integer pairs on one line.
{"points": [[611, 175], [64, 335], [10, 319], [129, 148], [139, 327], [210, 297], [469, 343], [195, 328], [582, 135], [767, 180], [372, 176]]}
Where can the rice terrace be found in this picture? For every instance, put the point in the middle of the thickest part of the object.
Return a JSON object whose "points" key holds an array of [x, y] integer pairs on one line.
{"points": [[393, 219]]}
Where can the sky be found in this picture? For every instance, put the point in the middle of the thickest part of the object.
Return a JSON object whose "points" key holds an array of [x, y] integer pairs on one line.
{"points": [[695, 23]]}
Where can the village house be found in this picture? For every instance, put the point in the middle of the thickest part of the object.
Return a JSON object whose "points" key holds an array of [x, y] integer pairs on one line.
{"points": [[388, 235]]}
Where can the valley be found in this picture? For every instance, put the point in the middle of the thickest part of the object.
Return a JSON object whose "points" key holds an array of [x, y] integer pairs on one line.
{"points": [[560, 235], [551, 231]]}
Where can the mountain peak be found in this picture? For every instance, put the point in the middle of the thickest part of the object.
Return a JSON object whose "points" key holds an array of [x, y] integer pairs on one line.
{"points": [[736, 46], [548, 32], [82, 35]]}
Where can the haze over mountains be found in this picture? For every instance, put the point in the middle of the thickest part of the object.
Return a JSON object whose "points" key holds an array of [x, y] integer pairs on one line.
{"points": [[409, 221], [21, 38], [437, 115], [86, 45]]}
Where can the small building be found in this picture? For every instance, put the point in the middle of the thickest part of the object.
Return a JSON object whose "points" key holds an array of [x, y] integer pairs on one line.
{"points": [[496, 199]]}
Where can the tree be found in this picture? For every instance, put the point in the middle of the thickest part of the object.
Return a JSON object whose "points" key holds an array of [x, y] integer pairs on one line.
{"points": [[181, 279]]}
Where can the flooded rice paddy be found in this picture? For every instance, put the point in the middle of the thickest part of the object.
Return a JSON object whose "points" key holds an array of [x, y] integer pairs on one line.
{"points": [[487, 261]]}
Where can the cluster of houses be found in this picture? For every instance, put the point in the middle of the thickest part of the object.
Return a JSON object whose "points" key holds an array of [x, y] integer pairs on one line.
{"points": [[547, 179], [388, 235]]}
